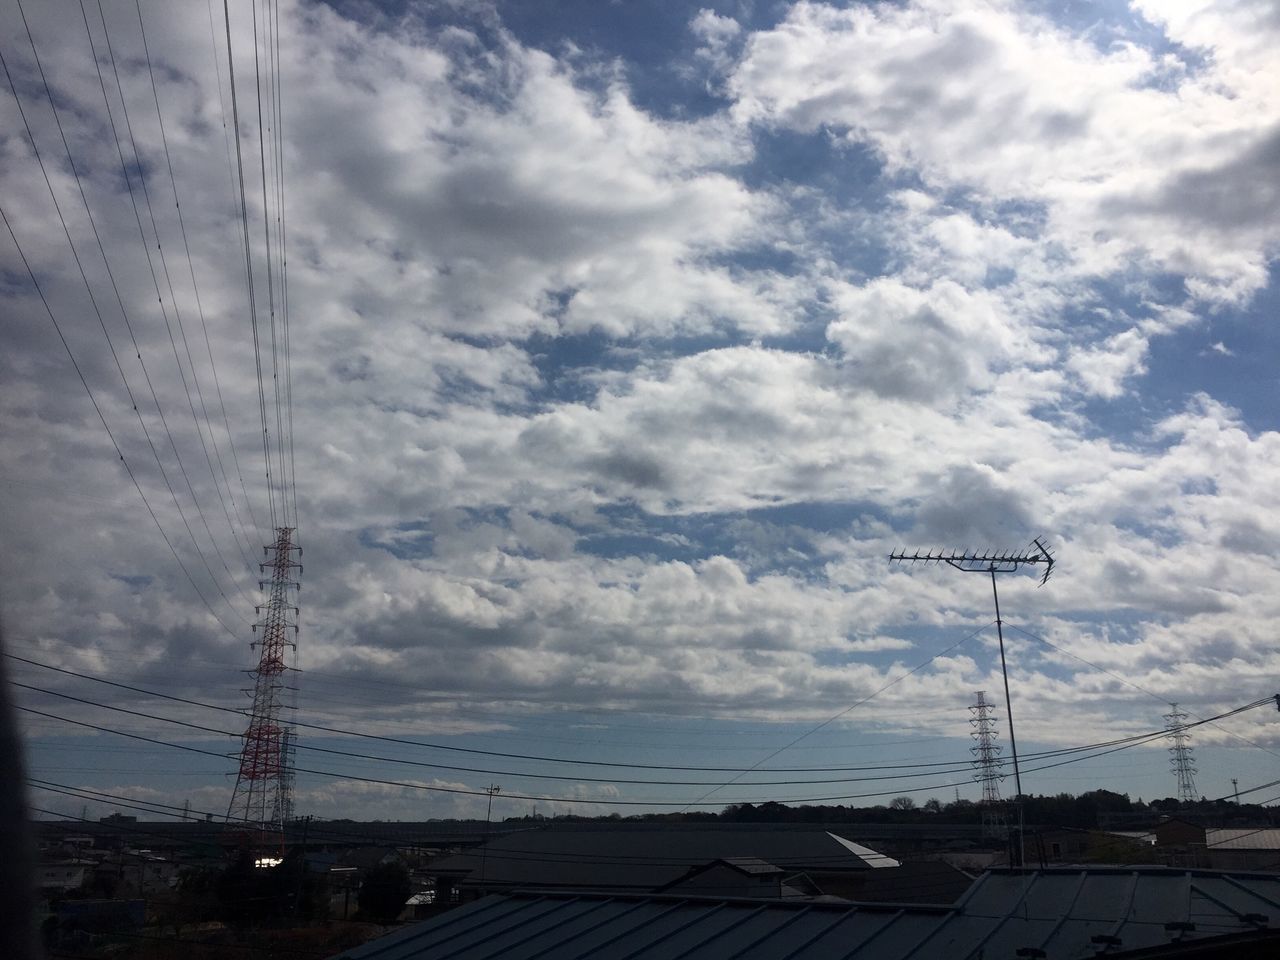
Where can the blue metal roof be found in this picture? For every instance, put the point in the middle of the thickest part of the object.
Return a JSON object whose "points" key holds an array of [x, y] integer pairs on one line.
{"points": [[1056, 913]]}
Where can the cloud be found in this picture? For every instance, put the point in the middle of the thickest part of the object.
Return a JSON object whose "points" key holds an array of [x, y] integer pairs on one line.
{"points": [[926, 346], [1012, 106], [603, 405]]}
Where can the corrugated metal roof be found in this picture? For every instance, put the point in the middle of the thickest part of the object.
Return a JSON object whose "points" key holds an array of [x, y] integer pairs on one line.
{"points": [[623, 858], [1059, 912], [1224, 839]]}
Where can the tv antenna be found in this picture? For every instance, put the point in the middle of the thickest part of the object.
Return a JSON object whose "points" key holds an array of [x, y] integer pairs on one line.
{"points": [[991, 563]]}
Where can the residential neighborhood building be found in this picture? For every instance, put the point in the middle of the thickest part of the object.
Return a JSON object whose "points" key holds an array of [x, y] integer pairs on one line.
{"points": [[641, 857], [1143, 913]]}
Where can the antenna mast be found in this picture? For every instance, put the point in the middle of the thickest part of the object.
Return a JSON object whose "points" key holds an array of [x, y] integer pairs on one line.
{"points": [[991, 563]]}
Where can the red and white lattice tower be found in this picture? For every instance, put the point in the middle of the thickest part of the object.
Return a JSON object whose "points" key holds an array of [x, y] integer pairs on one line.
{"points": [[986, 754], [262, 798]]}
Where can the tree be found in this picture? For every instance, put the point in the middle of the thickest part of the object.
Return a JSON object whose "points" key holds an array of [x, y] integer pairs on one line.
{"points": [[902, 803], [932, 805], [385, 889]]}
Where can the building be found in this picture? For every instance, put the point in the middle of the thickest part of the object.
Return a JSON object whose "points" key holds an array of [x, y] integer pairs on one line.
{"points": [[61, 876], [641, 857], [1144, 913], [1184, 843], [1062, 845]]}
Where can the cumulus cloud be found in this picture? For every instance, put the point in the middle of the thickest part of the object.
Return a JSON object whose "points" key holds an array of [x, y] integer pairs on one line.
{"points": [[600, 407], [997, 100]]}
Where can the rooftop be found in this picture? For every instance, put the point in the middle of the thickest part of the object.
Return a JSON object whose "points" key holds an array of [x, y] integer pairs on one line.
{"points": [[645, 859], [1053, 913]]}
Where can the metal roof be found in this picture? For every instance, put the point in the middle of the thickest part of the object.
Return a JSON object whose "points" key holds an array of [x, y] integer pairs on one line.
{"points": [[1225, 839], [1056, 913], [625, 858]]}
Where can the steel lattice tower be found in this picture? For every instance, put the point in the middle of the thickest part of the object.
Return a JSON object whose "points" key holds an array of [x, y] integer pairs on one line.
{"points": [[262, 798], [282, 807], [991, 563], [1181, 759], [986, 753]]}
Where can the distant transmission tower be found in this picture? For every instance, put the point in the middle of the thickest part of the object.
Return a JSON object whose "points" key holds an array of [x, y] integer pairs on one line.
{"points": [[263, 793], [282, 807], [991, 563], [1181, 759], [986, 753]]}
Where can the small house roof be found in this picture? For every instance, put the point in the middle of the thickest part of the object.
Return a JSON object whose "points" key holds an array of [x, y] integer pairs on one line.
{"points": [[644, 859]]}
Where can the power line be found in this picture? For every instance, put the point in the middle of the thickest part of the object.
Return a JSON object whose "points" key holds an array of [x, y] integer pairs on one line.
{"points": [[845, 711], [382, 781], [248, 263], [276, 341], [327, 831], [955, 767], [164, 264], [322, 830], [347, 731], [283, 234], [416, 694], [1121, 742], [107, 428], [124, 312], [411, 785], [226, 141], [94, 303], [173, 182], [1130, 683]]}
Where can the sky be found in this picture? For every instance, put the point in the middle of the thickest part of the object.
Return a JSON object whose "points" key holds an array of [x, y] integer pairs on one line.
{"points": [[626, 341]]}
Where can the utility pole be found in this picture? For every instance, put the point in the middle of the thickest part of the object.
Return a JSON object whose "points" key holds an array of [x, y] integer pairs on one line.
{"points": [[991, 563], [484, 850]]}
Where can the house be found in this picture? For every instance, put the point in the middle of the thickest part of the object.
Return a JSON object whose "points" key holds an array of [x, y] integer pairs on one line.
{"points": [[640, 857], [60, 876], [1143, 913], [1077, 845], [1249, 849], [924, 881], [1184, 843], [364, 859]]}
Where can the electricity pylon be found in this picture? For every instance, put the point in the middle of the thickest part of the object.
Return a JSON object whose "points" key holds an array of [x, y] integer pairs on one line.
{"points": [[262, 796], [986, 762], [1181, 759], [986, 753], [992, 563]]}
